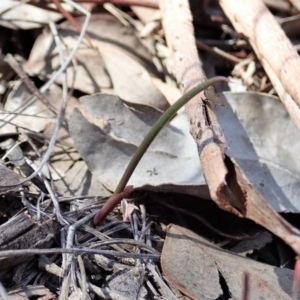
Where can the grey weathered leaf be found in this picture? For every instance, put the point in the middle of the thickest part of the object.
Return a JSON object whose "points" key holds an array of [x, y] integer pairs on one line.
{"points": [[194, 266], [107, 157], [119, 61], [265, 143], [8, 177], [261, 138]]}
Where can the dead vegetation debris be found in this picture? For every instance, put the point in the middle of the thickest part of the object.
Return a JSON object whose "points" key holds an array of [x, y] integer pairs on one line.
{"points": [[214, 205]]}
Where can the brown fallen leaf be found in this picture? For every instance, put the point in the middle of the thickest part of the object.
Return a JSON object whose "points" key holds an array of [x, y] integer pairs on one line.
{"points": [[196, 267]]}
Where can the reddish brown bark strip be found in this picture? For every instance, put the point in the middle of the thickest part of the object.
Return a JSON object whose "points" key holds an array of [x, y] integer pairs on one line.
{"points": [[228, 185], [272, 47]]}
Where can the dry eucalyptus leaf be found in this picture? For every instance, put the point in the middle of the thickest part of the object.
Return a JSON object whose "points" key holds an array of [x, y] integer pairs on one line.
{"points": [[195, 266], [261, 139], [16, 99], [36, 117], [88, 74], [264, 141], [8, 177], [127, 283], [131, 80], [96, 69], [169, 161], [248, 246], [129, 122], [107, 157], [79, 181], [17, 15]]}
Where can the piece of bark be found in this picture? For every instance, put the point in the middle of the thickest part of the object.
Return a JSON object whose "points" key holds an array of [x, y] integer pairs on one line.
{"points": [[38, 236], [273, 48], [14, 228], [228, 185]]}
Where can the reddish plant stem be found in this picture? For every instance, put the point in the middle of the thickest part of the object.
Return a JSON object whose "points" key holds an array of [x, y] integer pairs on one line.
{"points": [[111, 203], [246, 286], [141, 3]]}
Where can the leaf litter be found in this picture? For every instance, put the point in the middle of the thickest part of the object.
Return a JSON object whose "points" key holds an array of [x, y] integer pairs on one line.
{"points": [[105, 129]]}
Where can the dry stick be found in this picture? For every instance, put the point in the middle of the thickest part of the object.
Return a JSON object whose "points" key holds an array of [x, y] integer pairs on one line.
{"points": [[71, 19], [141, 3], [163, 120], [272, 47], [84, 251], [28, 82], [218, 52], [83, 284]]}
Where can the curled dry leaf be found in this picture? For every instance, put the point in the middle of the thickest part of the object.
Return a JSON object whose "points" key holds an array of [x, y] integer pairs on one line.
{"points": [[195, 266], [261, 138], [127, 209]]}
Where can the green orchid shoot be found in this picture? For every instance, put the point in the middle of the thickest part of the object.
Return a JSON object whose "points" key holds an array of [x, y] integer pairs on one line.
{"points": [[163, 120]]}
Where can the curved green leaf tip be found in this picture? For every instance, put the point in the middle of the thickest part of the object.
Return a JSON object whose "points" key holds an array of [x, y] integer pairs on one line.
{"points": [[163, 120]]}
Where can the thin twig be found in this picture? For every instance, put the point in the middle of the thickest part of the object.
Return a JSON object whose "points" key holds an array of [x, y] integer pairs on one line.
{"points": [[141, 3], [3, 292], [120, 191], [83, 281], [168, 114], [28, 82], [31, 252], [71, 19]]}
